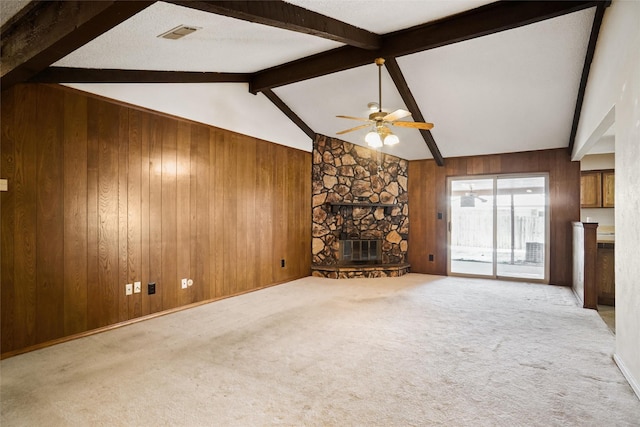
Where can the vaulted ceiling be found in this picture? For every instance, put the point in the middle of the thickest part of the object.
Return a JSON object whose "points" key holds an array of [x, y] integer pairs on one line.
{"points": [[493, 77]]}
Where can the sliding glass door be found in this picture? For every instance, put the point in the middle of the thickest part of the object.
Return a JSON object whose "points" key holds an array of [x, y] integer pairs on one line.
{"points": [[498, 226], [521, 227], [471, 226]]}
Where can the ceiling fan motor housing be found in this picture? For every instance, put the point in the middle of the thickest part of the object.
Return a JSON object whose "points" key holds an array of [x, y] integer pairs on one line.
{"points": [[377, 116]]}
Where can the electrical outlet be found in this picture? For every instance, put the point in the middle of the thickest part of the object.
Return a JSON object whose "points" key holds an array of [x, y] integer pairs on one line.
{"points": [[151, 288], [128, 289], [190, 282], [184, 284], [137, 287], [282, 263]]}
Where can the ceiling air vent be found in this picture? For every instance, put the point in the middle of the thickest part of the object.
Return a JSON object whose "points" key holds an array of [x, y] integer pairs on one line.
{"points": [[178, 32]]}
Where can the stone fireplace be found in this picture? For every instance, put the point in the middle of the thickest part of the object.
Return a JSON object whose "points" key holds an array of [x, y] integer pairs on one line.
{"points": [[360, 211]]}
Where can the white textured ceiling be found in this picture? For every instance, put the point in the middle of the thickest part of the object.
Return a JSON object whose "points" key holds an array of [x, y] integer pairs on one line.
{"points": [[222, 44], [514, 89], [8, 8], [381, 17], [511, 91]]}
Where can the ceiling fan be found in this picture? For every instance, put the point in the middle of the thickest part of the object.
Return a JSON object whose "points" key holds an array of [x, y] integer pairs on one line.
{"points": [[468, 200], [380, 120]]}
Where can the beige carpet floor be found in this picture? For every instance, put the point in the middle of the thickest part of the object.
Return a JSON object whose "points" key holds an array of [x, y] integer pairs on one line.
{"points": [[412, 351], [608, 315]]}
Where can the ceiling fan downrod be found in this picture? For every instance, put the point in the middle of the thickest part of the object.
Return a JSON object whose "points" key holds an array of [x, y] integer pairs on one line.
{"points": [[379, 63]]}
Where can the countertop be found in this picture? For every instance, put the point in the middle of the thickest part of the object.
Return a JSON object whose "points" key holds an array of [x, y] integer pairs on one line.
{"points": [[606, 234]]}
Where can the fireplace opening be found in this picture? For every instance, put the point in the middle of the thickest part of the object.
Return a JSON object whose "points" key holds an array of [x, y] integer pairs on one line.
{"points": [[360, 252]]}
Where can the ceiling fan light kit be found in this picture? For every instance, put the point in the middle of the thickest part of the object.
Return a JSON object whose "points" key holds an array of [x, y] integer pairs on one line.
{"points": [[391, 139], [373, 139], [381, 134]]}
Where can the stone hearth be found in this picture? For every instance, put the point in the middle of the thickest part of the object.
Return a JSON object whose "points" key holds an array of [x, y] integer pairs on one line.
{"points": [[359, 271]]}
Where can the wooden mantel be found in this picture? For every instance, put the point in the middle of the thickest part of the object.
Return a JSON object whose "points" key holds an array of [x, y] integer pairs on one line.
{"points": [[335, 206]]}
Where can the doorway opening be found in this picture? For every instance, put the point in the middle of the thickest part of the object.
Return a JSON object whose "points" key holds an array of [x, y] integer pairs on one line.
{"points": [[499, 226]]}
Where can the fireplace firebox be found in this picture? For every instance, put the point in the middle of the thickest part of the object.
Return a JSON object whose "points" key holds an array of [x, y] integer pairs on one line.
{"points": [[360, 252]]}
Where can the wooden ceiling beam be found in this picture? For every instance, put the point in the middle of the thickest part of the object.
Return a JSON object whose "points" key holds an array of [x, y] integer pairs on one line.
{"points": [[51, 30], [290, 17], [91, 75], [482, 21], [401, 84], [591, 48], [275, 99]]}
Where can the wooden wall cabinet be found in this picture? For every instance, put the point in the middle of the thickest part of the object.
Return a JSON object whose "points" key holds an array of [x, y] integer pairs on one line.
{"points": [[590, 190], [597, 189], [608, 186]]}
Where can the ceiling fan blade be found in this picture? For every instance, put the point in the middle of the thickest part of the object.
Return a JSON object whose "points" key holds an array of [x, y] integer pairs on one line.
{"points": [[352, 129], [415, 125], [396, 115], [362, 119]]}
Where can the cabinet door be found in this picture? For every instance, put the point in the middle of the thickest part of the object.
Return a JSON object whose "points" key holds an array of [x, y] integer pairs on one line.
{"points": [[590, 190], [608, 186]]}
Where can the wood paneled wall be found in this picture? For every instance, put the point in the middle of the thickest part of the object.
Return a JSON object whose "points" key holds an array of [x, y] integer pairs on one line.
{"points": [[101, 195], [428, 197]]}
